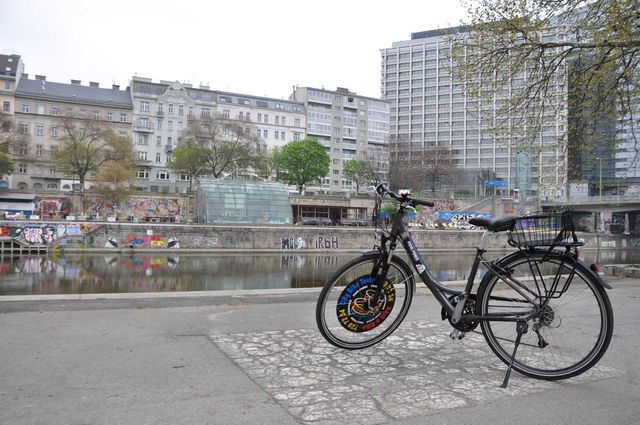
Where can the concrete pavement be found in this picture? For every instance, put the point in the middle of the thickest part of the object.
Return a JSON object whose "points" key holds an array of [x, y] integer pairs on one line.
{"points": [[256, 358]]}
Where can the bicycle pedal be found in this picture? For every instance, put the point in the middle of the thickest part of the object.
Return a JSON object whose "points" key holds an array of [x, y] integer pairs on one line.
{"points": [[456, 334]]}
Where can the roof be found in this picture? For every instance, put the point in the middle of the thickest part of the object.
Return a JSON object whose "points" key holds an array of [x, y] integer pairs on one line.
{"points": [[438, 32], [74, 93], [11, 62]]}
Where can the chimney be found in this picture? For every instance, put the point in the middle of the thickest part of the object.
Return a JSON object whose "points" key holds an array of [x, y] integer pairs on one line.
{"points": [[76, 82], [25, 76], [93, 84], [115, 87], [41, 77]]}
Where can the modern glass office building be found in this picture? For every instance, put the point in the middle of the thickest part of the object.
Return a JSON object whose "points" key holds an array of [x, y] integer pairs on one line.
{"points": [[428, 108]]}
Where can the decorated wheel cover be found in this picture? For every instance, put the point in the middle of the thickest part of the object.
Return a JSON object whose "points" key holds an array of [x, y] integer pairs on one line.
{"points": [[353, 310]]}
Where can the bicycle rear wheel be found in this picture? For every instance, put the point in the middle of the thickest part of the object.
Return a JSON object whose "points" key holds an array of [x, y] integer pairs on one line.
{"points": [[573, 324], [343, 314]]}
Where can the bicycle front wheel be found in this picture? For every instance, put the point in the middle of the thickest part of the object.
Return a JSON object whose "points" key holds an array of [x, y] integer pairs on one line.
{"points": [[572, 323], [344, 313]]}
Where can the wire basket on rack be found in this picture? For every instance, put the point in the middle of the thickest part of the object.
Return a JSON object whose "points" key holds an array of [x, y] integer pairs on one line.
{"points": [[553, 229]]}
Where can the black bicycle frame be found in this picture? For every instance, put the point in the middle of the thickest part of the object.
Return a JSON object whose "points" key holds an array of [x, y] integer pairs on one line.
{"points": [[441, 292]]}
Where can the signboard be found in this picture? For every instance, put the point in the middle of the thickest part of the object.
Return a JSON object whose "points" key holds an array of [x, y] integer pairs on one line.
{"points": [[495, 183]]}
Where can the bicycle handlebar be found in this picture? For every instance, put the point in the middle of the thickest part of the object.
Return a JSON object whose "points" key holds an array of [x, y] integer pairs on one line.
{"points": [[383, 190]]}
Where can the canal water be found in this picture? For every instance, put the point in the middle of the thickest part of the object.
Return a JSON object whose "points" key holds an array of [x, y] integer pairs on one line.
{"points": [[99, 273]]}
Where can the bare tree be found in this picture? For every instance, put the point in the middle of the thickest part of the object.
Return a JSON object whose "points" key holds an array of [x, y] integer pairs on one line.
{"points": [[427, 169], [224, 144], [524, 62], [11, 142]]}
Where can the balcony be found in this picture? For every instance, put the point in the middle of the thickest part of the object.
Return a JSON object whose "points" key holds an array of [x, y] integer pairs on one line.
{"points": [[168, 148], [143, 128], [160, 113]]}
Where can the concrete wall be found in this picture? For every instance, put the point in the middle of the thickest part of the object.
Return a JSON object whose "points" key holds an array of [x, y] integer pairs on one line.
{"points": [[97, 235]]}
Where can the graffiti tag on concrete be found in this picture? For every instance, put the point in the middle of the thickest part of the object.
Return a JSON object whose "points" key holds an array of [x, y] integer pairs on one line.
{"points": [[319, 242]]}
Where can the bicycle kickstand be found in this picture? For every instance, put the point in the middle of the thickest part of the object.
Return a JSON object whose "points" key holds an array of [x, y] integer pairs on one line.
{"points": [[521, 329]]}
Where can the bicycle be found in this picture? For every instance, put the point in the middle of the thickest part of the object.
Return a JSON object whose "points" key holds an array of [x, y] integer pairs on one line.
{"points": [[562, 315]]}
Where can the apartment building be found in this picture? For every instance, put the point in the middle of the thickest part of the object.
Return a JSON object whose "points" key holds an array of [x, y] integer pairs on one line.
{"points": [[428, 108], [11, 68], [162, 110], [349, 126], [40, 105]]}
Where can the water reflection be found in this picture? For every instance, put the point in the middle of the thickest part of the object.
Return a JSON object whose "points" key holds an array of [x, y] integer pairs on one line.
{"points": [[75, 274]]}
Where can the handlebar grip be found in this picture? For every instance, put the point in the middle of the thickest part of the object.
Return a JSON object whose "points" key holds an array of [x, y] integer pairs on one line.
{"points": [[425, 203]]}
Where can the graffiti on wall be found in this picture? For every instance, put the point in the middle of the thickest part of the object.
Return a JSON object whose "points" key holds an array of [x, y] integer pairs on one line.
{"points": [[46, 234], [143, 208], [319, 242], [143, 240], [634, 243]]}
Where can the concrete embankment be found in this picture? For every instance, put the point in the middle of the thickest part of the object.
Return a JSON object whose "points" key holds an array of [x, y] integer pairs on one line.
{"points": [[24, 235]]}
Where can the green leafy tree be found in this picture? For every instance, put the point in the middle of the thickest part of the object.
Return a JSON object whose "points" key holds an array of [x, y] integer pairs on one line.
{"points": [[301, 162], [532, 58], [359, 171], [224, 144], [188, 159]]}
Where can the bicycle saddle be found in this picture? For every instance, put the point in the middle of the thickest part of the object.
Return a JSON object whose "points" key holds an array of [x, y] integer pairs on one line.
{"points": [[494, 224]]}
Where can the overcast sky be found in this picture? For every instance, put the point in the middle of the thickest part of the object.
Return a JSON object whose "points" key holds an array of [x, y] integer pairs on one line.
{"points": [[253, 47]]}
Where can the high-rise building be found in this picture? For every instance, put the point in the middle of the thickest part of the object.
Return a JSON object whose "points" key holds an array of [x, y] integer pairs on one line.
{"points": [[40, 108], [162, 110], [349, 126], [430, 109]]}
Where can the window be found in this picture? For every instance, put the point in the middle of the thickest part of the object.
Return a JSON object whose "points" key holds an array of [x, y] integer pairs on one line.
{"points": [[22, 149], [266, 119], [190, 114], [123, 117], [24, 128], [296, 122], [171, 108], [142, 155], [22, 168], [162, 175], [282, 135], [144, 106], [40, 109], [259, 132], [68, 112], [54, 111], [159, 127], [25, 108], [277, 120], [158, 158], [52, 171], [226, 113], [276, 135], [143, 174], [181, 109], [109, 116], [248, 116], [39, 129], [38, 150], [296, 135], [158, 140], [96, 115], [266, 133], [170, 125], [54, 131], [159, 112], [205, 112], [259, 117], [241, 115], [143, 139], [6, 106], [185, 177], [7, 86], [83, 113]]}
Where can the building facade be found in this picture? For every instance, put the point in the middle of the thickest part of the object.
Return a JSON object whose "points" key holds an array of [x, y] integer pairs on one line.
{"points": [[162, 110], [40, 107], [350, 127], [429, 109], [11, 68]]}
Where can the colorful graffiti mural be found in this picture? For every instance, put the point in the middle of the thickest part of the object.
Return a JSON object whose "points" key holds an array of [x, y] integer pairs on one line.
{"points": [[46, 234], [53, 207], [142, 208], [143, 240]]}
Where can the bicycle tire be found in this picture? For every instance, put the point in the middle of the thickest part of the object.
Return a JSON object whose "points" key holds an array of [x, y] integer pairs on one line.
{"points": [[576, 324], [338, 312]]}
